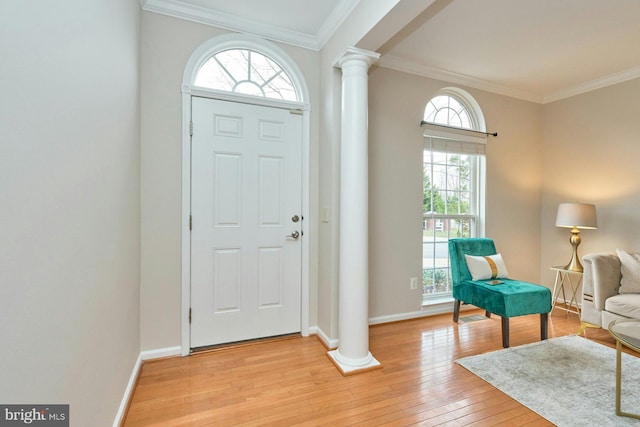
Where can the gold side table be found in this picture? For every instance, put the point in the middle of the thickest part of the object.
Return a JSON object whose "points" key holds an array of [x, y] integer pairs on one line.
{"points": [[564, 276], [627, 333]]}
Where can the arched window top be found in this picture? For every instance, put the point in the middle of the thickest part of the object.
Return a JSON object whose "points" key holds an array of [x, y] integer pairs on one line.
{"points": [[247, 72], [446, 110], [454, 107]]}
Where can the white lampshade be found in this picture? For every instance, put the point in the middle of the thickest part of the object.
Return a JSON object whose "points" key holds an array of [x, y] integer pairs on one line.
{"points": [[579, 215]]}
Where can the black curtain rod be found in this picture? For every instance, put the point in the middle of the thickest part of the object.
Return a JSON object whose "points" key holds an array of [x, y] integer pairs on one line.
{"points": [[422, 123]]}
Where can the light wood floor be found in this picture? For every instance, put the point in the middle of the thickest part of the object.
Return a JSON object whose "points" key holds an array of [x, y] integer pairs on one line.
{"points": [[293, 382]]}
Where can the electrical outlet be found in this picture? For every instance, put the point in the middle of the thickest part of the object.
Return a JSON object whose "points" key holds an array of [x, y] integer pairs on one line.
{"points": [[413, 283]]}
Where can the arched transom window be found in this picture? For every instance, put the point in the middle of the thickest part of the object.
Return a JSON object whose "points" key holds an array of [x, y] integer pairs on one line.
{"points": [[248, 72], [453, 184], [447, 110]]}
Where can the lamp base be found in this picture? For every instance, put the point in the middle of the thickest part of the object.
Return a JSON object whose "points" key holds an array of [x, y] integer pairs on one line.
{"points": [[574, 264]]}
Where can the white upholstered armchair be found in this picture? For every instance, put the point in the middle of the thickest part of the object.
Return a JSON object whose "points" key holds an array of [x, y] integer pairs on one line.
{"points": [[603, 297]]}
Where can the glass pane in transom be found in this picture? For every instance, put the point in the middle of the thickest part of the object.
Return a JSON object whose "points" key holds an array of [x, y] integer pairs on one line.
{"points": [[247, 72]]}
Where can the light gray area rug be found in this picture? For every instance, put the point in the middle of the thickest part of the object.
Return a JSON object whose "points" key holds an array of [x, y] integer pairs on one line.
{"points": [[570, 381]]}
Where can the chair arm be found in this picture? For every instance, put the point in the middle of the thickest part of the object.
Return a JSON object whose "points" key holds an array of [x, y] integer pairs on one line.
{"points": [[601, 278]]}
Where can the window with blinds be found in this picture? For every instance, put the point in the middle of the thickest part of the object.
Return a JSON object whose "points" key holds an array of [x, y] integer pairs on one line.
{"points": [[453, 188]]}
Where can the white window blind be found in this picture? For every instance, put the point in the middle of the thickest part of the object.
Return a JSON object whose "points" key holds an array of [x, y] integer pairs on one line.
{"points": [[453, 140]]}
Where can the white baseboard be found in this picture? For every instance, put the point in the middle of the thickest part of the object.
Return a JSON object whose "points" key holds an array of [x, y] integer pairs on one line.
{"points": [[161, 352], [328, 342], [128, 393], [397, 317], [427, 310]]}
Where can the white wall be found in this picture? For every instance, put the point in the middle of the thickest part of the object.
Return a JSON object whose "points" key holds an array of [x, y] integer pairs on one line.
{"points": [[396, 107], [591, 152], [69, 191], [167, 43]]}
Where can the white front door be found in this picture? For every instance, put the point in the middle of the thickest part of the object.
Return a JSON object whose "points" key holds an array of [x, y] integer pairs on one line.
{"points": [[246, 254]]}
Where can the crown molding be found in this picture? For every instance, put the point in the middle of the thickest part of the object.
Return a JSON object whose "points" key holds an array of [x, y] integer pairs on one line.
{"points": [[610, 80], [403, 65], [183, 10], [398, 64], [335, 19]]}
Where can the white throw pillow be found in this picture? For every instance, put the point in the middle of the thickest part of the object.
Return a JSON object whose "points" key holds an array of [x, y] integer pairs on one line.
{"points": [[630, 269], [486, 267]]}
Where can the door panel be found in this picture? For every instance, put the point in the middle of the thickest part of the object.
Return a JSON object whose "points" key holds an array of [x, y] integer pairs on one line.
{"points": [[246, 187]]}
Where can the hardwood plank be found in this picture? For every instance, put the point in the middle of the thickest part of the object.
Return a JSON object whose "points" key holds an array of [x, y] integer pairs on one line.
{"points": [[292, 382]]}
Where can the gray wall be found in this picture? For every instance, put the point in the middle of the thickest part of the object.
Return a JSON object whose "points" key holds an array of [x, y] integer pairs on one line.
{"points": [[591, 152], [69, 191]]}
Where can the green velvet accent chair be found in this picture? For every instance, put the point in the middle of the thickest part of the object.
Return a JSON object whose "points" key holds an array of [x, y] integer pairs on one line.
{"points": [[508, 299]]}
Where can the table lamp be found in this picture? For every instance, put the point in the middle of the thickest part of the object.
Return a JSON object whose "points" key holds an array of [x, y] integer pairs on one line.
{"points": [[576, 216]]}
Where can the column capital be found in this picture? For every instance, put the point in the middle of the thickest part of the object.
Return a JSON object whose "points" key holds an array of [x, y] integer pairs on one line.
{"points": [[353, 53]]}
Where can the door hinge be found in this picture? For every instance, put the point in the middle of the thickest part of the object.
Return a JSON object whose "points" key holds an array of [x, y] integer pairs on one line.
{"points": [[297, 111], [190, 222], [189, 315], [191, 128]]}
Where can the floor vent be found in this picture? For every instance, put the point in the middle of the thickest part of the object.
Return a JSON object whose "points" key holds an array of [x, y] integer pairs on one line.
{"points": [[472, 318]]}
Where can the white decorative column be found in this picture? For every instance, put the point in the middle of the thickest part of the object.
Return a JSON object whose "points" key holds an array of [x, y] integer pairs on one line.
{"points": [[353, 353]]}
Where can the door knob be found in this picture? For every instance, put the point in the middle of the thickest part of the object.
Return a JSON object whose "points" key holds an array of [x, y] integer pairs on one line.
{"points": [[294, 235]]}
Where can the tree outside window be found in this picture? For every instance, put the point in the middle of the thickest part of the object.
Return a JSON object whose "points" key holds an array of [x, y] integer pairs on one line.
{"points": [[450, 195]]}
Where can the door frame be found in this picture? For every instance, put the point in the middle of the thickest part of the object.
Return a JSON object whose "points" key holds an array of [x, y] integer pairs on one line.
{"points": [[197, 58]]}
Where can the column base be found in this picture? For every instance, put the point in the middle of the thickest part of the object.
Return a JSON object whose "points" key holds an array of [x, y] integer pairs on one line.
{"points": [[348, 366]]}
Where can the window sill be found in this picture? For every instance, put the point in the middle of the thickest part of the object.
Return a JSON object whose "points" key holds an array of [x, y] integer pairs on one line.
{"points": [[437, 301]]}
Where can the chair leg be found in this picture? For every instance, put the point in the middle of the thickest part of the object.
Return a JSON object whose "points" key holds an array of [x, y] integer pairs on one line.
{"points": [[544, 325], [456, 310], [584, 326], [487, 313], [505, 332]]}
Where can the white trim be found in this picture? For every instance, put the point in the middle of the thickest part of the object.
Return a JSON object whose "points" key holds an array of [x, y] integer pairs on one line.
{"points": [[349, 366], [405, 66], [135, 373], [185, 291], [470, 103], [243, 41], [350, 53], [328, 342], [428, 310], [197, 58], [204, 15], [160, 352], [334, 21], [245, 99], [128, 392], [609, 80], [432, 130]]}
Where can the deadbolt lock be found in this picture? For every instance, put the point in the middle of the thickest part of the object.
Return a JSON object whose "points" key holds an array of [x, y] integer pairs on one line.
{"points": [[295, 218]]}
